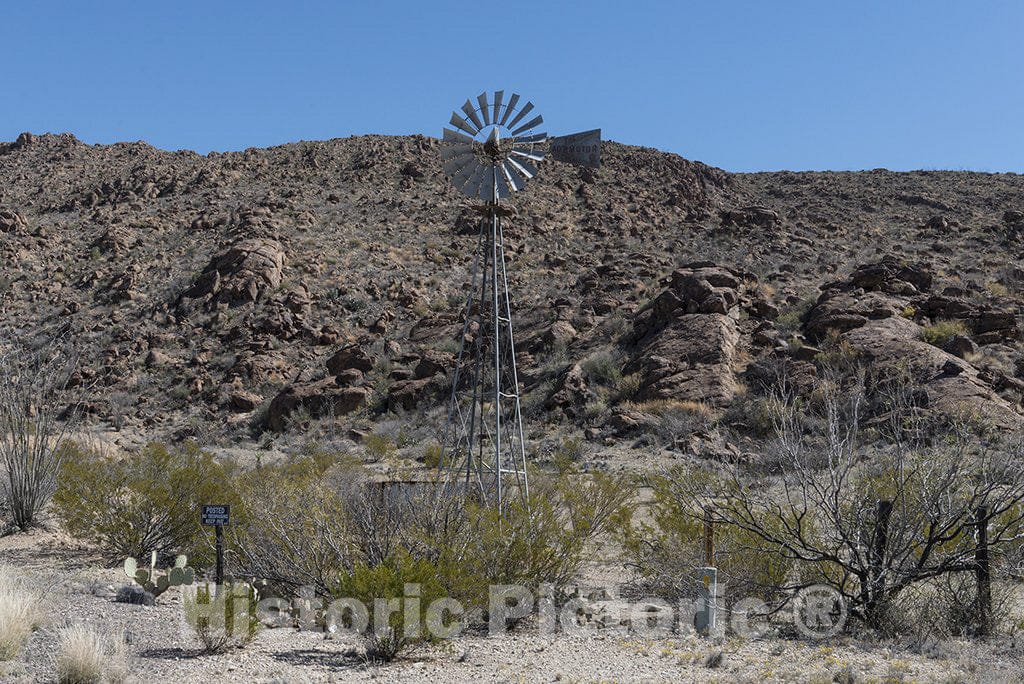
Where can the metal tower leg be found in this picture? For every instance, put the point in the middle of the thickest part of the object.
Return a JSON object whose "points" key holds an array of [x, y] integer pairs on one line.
{"points": [[484, 447]]}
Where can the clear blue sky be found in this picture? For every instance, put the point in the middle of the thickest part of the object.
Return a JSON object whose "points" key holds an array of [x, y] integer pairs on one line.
{"points": [[742, 85]]}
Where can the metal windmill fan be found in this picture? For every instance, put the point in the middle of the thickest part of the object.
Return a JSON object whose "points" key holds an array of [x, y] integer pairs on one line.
{"points": [[493, 152]]}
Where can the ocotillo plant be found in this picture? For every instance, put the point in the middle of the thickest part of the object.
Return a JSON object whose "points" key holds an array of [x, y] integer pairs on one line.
{"points": [[176, 576]]}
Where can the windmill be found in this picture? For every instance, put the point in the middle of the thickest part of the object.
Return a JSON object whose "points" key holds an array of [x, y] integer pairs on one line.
{"points": [[491, 151]]}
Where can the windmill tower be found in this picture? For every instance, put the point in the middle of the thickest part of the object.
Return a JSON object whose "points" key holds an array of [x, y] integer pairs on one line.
{"points": [[492, 153]]}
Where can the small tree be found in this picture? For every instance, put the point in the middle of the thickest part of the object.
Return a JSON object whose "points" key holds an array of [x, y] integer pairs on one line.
{"points": [[36, 415]]}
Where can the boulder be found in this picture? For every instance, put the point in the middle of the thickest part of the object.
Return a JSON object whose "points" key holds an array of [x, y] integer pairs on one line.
{"points": [[244, 401], [960, 346], [560, 334], [12, 222], [321, 398], [349, 377], [434, 362], [570, 393], [950, 385], [349, 357], [750, 217], [406, 394], [684, 345], [246, 272]]}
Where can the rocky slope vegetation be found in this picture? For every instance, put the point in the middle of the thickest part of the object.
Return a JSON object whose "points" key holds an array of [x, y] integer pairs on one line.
{"points": [[246, 295]]}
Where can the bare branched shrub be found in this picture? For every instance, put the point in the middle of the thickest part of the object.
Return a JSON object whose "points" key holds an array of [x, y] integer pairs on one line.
{"points": [[36, 414], [292, 529], [870, 512]]}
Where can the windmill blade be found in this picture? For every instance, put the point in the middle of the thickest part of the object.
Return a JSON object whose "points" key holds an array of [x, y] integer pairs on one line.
{"points": [[453, 166], [471, 187], [462, 124], [511, 107], [524, 167], [535, 121], [484, 109], [527, 108], [503, 189], [486, 188], [464, 177], [451, 136], [471, 113], [527, 153], [499, 95], [513, 181], [449, 151], [535, 138]]}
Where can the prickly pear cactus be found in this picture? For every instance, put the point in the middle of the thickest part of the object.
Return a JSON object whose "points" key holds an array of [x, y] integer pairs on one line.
{"points": [[154, 582]]}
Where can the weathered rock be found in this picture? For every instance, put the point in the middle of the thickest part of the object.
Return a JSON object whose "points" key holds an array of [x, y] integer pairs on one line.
{"points": [[684, 345], [759, 217], [350, 356], [406, 394], [953, 386], [570, 393], [960, 346], [434, 362], [560, 334], [246, 272], [349, 377], [244, 401], [12, 222], [319, 398]]}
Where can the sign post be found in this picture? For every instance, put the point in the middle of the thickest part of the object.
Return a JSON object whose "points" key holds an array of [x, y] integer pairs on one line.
{"points": [[218, 516]]}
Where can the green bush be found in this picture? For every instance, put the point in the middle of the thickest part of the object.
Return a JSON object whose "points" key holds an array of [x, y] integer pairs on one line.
{"points": [[537, 541], [146, 501], [403, 630], [603, 369], [665, 550], [941, 332]]}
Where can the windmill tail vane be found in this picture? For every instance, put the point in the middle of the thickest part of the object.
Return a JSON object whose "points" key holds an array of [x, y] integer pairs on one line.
{"points": [[490, 152]]}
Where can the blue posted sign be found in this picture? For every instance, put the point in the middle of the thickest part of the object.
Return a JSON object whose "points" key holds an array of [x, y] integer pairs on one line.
{"points": [[216, 515]]}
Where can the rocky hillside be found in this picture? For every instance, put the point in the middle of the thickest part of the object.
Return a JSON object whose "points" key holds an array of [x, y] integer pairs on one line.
{"points": [[317, 286]]}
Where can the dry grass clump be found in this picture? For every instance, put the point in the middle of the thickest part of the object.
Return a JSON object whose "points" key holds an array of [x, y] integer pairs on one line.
{"points": [[86, 657], [20, 612]]}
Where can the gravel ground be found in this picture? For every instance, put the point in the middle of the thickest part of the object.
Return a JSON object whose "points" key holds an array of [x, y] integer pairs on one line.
{"points": [[162, 648]]}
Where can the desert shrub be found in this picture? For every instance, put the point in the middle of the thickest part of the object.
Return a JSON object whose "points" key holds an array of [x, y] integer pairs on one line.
{"points": [[84, 656], [379, 447], [941, 332], [387, 581], [539, 540], [628, 387], [791, 317], [603, 369], [292, 529], [568, 454], [224, 619], [20, 612], [146, 501], [432, 455]]}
